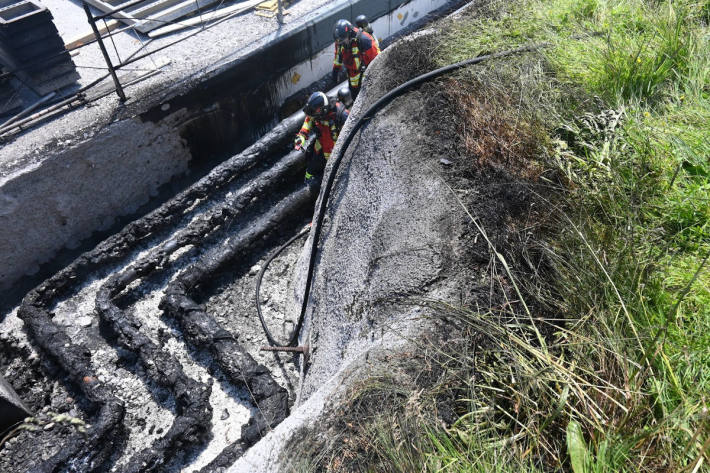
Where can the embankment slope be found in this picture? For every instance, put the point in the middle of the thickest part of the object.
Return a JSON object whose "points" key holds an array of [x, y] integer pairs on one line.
{"points": [[396, 237]]}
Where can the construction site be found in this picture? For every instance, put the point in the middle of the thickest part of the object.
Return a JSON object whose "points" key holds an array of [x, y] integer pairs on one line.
{"points": [[502, 266]]}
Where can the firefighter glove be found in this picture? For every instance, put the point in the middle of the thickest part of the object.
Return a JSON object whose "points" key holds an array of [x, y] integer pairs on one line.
{"points": [[300, 141]]}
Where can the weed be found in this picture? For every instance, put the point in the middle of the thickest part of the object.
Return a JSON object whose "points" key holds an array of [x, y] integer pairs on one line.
{"points": [[633, 233]]}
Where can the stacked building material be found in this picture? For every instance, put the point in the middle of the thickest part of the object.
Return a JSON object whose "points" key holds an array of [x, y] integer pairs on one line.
{"points": [[151, 14], [269, 8], [31, 48]]}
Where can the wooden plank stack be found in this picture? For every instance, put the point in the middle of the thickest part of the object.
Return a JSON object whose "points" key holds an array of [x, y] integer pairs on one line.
{"points": [[152, 14], [270, 8], [205, 18]]}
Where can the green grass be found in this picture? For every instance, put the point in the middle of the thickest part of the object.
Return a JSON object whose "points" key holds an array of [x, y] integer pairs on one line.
{"points": [[616, 114], [629, 131]]}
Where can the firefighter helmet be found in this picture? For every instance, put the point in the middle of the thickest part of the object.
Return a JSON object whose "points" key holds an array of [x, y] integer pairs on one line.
{"points": [[344, 96], [343, 30], [361, 21], [317, 105]]}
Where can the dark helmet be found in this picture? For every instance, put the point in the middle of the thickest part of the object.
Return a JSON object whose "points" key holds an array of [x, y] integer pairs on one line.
{"points": [[345, 96], [343, 30], [361, 21], [317, 105]]}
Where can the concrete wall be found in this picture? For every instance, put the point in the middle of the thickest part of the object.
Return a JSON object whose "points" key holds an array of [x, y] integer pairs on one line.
{"points": [[387, 18], [62, 200], [240, 100]]}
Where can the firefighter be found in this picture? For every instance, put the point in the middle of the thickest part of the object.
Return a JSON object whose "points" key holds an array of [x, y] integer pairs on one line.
{"points": [[362, 23], [355, 49], [325, 117]]}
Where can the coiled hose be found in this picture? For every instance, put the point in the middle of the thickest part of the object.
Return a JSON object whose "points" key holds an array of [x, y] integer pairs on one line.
{"points": [[338, 157]]}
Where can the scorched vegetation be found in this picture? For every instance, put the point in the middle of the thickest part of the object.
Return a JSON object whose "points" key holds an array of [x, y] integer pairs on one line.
{"points": [[599, 358]]}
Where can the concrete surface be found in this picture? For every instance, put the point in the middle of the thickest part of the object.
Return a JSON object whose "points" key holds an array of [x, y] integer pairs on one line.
{"points": [[386, 238], [388, 243]]}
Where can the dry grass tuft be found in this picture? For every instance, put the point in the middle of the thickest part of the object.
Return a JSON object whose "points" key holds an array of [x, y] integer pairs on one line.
{"points": [[492, 131]]}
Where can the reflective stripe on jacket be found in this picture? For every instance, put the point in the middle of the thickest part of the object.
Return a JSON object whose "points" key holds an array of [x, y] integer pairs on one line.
{"points": [[356, 57], [326, 129]]}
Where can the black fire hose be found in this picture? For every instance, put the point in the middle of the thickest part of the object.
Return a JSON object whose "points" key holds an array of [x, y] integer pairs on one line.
{"points": [[369, 114], [267, 332]]}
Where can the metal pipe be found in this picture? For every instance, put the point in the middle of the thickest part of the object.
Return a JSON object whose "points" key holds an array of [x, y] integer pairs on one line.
{"points": [[303, 349], [78, 97], [42, 113], [280, 13], [190, 35], [28, 109], [138, 58], [92, 22], [213, 15]]}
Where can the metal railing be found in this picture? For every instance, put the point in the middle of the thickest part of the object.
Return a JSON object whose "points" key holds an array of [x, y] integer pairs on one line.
{"points": [[58, 104], [99, 38], [102, 46]]}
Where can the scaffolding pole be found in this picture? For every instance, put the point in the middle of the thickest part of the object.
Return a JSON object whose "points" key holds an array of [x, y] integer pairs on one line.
{"points": [[112, 71]]}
